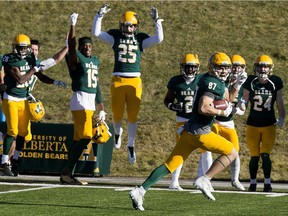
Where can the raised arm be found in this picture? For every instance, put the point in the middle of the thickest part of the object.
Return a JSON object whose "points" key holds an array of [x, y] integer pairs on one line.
{"points": [[158, 37]]}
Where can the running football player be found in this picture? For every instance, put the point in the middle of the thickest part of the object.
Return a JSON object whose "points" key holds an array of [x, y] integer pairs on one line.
{"points": [[197, 132]]}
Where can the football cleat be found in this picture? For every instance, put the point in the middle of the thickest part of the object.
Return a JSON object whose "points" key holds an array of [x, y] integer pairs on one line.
{"points": [[15, 166], [137, 198], [176, 187], [71, 180], [252, 187], [237, 185], [202, 183], [131, 155], [117, 139], [267, 188], [6, 170]]}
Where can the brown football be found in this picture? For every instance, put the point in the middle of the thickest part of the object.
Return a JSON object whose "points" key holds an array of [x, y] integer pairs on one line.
{"points": [[220, 104]]}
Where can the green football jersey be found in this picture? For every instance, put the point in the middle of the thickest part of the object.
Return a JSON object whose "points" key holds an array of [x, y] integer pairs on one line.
{"points": [[13, 88], [85, 77], [199, 123], [262, 97], [184, 93], [127, 51]]}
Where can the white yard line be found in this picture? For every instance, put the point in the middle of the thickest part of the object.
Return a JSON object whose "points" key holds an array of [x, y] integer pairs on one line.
{"points": [[119, 188]]}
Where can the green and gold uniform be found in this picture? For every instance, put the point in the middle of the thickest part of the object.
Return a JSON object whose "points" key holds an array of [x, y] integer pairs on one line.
{"points": [[126, 84], [15, 106], [197, 131], [261, 119], [86, 88]]}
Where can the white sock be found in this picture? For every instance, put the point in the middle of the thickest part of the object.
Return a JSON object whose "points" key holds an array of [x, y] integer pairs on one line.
{"points": [[117, 126], [200, 170], [132, 128], [235, 169], [5, 158], [175, 176], [207, 161], [16, 154], [267, 181], [253, 181]]}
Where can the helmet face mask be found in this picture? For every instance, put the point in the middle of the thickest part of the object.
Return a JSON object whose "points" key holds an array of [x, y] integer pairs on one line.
{"points": [[21, 45], [238, 66], [189, 66], [129, 23], [263, 67], [219, 65]]}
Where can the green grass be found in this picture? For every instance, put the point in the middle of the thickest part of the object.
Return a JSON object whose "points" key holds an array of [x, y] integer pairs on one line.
{"points": [[98, 201], [249, 28]]}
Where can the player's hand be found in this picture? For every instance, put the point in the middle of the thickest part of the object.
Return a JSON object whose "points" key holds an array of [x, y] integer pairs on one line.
{"points": [[59, 83], [227, 111], [242, 104], [280, 122], [73, 19], [154, 13], [237, 111], [175, 106], [38, 68], [102, 115], [104, 9], [241, 78]]}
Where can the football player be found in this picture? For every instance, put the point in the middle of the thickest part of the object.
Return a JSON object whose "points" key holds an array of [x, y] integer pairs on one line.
{"points": [[46, 64], [224, 126], [262, 90], [126, 84], [19, 66], [83, 69], [179, 98], [197, 132], [2, 89]]}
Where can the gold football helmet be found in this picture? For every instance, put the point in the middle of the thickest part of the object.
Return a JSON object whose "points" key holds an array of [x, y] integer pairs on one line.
{"points": [[263, 61], [237, 61], [21, 45], [36, 109], [217, 60], [189, 66], [100, 131], [129, 18]]}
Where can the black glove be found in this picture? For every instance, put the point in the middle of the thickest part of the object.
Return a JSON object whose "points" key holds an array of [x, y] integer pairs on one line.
{"points": [[175, 106]]}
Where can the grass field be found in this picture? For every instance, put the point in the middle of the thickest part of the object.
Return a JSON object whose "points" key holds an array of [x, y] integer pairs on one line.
{"points": [[56, 200], [249, 28]]}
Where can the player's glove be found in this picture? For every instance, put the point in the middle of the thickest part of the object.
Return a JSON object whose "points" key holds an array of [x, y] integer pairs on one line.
{"points": [[227, 111], [73, 19], [175, 106], [38, 68], [154, 14], [241, 78], [103, 10], [242, 104], [59, 83], [102, 115], [237, 111], [280, 122]]}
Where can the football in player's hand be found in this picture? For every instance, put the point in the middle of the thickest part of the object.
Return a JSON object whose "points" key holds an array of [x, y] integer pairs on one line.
{"points": [[220, 104]]}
